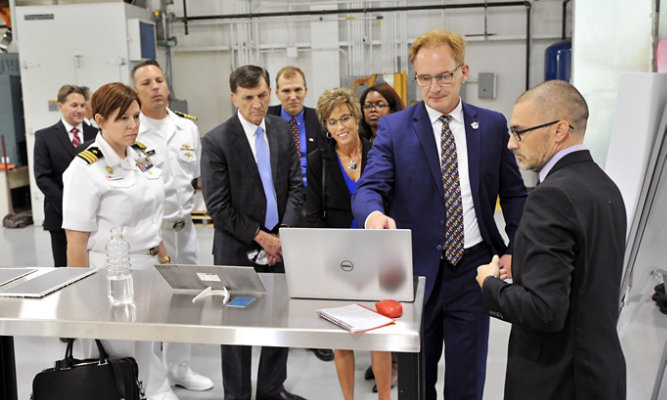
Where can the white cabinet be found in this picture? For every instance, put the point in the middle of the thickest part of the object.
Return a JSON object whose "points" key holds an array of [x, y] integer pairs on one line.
{"points": [[80, 44]]}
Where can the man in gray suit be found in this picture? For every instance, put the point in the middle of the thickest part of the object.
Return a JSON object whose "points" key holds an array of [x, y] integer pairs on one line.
{"points": [[251, 181]]}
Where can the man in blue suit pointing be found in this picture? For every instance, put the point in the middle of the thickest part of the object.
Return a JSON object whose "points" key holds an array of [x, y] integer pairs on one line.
{"points": [[437, 168]]}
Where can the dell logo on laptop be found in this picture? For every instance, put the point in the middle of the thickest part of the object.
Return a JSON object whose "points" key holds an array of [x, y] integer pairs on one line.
{"points": [[346, 265]]}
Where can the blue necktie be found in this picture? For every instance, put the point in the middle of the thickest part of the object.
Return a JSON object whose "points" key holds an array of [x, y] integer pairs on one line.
{"points": [[264, 167]]}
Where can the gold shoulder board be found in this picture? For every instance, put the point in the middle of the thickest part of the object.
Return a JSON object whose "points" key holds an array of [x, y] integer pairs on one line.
{"points": [[90, 155], [184, 115], [139, 145]]}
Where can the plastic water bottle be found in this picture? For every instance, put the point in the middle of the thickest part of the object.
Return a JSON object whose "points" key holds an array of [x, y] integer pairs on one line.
{"points": [[120, 286]]}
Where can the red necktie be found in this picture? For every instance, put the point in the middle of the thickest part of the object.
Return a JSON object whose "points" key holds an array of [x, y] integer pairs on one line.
{"points": [[295, 133], [75, 137]]}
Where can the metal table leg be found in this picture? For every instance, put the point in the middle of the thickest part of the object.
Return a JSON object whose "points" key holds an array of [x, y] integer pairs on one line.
{"points": [[8, 390], [661, 373], [411, 371]]}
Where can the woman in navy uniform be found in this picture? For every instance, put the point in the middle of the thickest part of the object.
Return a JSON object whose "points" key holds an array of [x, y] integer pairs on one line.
{"points": [[113, 183]]}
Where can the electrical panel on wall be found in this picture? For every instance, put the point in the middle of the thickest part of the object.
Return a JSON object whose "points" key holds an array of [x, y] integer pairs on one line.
{"points": [[486, 86], [141, 39]]}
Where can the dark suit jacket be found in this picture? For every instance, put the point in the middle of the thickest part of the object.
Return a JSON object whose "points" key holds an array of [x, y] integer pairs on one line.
{"points": [[233, 190], [53, 153], [314, 134], [337, 199], [564, 303], [403, 172]]}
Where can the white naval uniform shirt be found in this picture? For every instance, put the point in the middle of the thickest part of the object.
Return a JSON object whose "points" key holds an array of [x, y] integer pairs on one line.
{"points": [[173, 143], [97, 198]]}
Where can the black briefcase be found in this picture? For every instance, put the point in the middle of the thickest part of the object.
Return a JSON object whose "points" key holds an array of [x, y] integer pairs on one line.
{"points": [[105, 378]]}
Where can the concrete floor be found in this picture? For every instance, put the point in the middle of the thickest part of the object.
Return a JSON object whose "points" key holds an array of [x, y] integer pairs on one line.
{"points": [[643, 337]]}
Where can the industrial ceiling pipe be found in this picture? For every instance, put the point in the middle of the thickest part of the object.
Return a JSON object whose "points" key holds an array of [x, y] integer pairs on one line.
{"points": [[564, 17], [367, 10], [364, 10]]}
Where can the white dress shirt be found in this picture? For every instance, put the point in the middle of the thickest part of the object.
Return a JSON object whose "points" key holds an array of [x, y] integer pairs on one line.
{"points": [[472, 234], [249, 128]]}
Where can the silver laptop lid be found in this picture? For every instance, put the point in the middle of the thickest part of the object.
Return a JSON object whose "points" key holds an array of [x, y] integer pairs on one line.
{"points": [[199, 277], [40, 285], [9, 274], [348, 264]]}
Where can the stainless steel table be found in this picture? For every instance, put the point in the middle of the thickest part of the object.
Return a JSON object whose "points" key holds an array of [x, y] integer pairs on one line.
{"points": [[159, 314]]}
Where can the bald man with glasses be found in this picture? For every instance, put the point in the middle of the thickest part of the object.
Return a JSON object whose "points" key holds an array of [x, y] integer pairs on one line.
{"points": [[563, 303]]}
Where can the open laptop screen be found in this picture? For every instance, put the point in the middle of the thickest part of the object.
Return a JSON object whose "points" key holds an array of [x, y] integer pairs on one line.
{"points": [[348, 264]]}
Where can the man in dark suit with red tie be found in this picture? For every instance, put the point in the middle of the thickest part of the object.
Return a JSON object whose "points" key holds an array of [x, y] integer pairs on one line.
{"points": [[291, 90], [251, 181], [55, 147]]}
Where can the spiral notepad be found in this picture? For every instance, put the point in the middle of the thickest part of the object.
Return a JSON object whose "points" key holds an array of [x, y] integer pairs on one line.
{"points": [[355, 318]]}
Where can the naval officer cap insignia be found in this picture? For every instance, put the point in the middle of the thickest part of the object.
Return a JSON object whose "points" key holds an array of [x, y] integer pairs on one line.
{"points": [[184, 115], [90, 155]]}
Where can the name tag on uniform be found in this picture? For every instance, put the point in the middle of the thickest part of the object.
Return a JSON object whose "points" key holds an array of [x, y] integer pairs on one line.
{"points": [[111, 174], [113, 177]]}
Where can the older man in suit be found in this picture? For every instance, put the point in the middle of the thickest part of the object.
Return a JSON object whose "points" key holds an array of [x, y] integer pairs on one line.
{"points": [[439, 167], [568, 259], [251, 181], [55, 147]]}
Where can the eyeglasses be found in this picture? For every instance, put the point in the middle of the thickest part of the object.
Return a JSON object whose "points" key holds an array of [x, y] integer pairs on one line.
{"points": [[344, 119], [518, 132], [442, 79], [377, 106]]}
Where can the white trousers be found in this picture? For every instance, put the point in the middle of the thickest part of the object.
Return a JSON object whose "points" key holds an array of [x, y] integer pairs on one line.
{"points": [[183, 248], [182, 245], [152, 371]]}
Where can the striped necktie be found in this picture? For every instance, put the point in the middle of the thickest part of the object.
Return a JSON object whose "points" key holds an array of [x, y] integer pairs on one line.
{"points": [[295, 133], [451, 185], [76, 140]]}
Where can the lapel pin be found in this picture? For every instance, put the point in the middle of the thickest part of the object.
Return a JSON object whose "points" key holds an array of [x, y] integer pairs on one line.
{"points": [[474, 125], [109, 169]]}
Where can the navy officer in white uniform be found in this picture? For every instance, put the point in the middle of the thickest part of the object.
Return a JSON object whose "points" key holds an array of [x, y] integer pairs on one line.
{"points": [[113, 183], [173, 143]]}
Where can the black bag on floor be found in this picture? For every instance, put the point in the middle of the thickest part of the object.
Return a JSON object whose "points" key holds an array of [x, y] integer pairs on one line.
{"points": [[105, 378]]}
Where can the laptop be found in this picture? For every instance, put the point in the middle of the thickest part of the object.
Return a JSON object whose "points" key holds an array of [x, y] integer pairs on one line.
{"points": [[348, 264], [9, 274], [217, 277], [39, 285]]}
